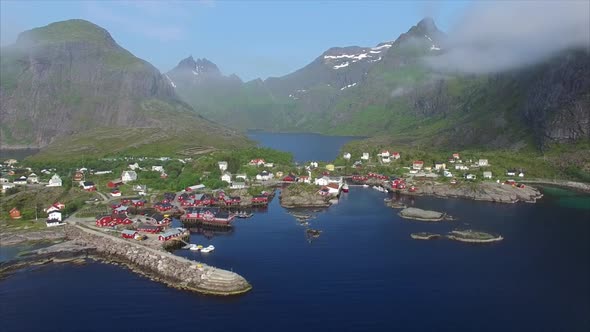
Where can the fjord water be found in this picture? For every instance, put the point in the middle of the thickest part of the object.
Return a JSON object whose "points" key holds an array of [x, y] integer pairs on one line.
{"points": [[304, 147], [364, 273]]}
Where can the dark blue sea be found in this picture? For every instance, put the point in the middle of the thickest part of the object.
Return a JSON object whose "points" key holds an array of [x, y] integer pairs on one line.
{"points": [[364, 273], [304, 147]]}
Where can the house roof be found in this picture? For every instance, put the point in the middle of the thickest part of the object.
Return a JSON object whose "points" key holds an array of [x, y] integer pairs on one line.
{"points": [[333, 185], [170, 232], [128, 231]]}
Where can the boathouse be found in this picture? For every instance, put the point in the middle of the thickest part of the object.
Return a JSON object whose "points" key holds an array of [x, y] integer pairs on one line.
{"points": [[259, 200], [128, 234], [145, 228], [169, 234]]}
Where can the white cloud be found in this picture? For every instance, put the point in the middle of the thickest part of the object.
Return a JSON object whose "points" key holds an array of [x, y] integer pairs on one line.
{"points": [[497, 36]]}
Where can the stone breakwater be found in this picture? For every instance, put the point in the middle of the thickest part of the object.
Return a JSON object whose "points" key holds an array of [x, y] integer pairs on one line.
{"points": [[155, 264], [485, 191]]}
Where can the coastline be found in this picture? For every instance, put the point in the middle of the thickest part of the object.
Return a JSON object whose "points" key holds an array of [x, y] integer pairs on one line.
{"points": [[578, 186], [485, 191], [157, 265]]}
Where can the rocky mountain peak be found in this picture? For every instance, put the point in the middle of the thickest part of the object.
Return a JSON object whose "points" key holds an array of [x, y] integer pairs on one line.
{"points": [[199, 66]]}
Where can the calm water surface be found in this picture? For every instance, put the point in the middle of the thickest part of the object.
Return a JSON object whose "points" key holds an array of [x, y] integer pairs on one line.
{"points": [[304, 147], [364, 273]]}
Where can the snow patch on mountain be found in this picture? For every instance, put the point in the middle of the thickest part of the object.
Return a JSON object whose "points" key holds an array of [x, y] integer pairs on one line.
{"points": [[347, 86], [341, 65], [171, 82], [376, 48]]}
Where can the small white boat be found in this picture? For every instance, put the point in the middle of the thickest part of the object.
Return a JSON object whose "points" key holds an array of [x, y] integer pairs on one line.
{"points": [[195, 247], [208, 249], [365, 185], [345, 188]]}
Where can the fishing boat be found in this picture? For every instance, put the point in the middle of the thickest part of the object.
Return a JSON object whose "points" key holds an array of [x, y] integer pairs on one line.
{"points": [[208, 249], [244, 214], [345, 188], [365, 185]]}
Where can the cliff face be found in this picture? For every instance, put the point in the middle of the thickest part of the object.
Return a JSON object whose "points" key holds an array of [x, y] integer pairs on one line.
{"points": [[558, 101], [70, 77]]}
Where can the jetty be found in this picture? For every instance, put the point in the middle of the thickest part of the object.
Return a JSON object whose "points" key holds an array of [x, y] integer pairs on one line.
{"points": [[156, 264]]}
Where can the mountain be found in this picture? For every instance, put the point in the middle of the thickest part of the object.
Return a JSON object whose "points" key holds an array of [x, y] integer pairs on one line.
{"points": [[390, 90], [70, 81]]}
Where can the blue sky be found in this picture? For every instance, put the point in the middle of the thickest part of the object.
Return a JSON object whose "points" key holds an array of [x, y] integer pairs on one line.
{"points": [[250, 38]]}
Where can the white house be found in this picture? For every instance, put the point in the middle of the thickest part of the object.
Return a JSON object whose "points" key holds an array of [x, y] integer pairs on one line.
{"points": [[365, 156], [226, 177], [54, 214], [269, 165], [128, 176], [521, 175], [461, 167], [487, 175], [222, 165], [33, 178], [447, 174], [384, 154], [323, 181], [386, 160], [158, 169], [313, 164], [470, 176], [3, 180], [20, 181], [396, 155], [346, 156], [238, 185], [241, 176], [133, 167], [55, 181], [509, 172], [482, 162], [264, 176]]}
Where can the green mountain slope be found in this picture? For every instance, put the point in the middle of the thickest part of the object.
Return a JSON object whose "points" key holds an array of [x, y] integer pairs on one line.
{"points": [[71, 79]]}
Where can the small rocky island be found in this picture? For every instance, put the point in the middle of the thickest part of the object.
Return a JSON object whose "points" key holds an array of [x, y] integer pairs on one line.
{"points": [[424, 236], [303, 196], [472, 236], [423, 215]]}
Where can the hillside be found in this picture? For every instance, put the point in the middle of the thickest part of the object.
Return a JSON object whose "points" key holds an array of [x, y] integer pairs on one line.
{"points": [[389, 90], [71, 80]]}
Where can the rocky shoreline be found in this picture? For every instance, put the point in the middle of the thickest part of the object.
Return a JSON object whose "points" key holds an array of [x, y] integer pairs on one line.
{"points": [[471, 236], [423, 215], [484, 191], [14, 238], [157, 265], [424, 236]]}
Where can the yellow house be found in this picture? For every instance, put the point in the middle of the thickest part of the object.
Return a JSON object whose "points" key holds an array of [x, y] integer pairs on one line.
{"points": [[279, 174], [330, 167]]}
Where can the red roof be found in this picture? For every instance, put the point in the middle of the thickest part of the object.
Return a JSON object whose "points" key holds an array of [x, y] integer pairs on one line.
{"points": [[418, 162], [395, 153]]}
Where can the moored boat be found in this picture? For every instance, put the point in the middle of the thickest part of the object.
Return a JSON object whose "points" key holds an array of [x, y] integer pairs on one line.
{"points": [[345, 188]]}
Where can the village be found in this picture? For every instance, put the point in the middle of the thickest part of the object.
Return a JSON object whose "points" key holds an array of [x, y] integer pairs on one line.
{"points": [[134, 204]]}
